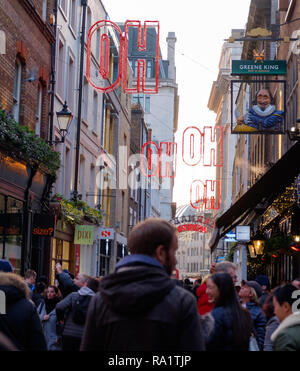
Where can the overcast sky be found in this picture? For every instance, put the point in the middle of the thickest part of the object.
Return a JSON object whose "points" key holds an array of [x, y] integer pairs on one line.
{"points": [[200, 27]]}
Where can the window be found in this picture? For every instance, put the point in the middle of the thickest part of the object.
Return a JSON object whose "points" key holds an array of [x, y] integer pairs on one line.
{"points": [[138, 98], [81, 174], [147, 104], [73, 15], [71, 78], [135, 64], [123, 212], [38, 114], [44, 10], [88, 22], [98, 35], [11, 241], [85, 97], [61, 69], [92, 199], [63, 5], [131, 217], [67, 176], [95, 111], [17, 90], [149, 69]]}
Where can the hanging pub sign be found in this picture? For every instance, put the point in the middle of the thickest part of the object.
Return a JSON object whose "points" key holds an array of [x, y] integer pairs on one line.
{"points": [[11, 224], [253, 67], [84, 235], [258, 106], [43, 225]]}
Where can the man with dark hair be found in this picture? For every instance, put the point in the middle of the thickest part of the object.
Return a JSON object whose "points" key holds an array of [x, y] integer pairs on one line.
{"points": [[30, 278], [139, 307], [287, 309]]}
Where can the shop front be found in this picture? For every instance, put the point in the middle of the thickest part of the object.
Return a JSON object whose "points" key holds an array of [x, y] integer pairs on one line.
{"points": [[63, 250], [23, 193]]}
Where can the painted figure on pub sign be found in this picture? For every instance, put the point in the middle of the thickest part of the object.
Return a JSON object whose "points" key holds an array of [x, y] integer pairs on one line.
{"points": [[262, 116]]}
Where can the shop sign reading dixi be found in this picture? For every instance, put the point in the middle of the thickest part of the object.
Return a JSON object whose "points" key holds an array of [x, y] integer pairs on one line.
{"points": [[84, 235]]}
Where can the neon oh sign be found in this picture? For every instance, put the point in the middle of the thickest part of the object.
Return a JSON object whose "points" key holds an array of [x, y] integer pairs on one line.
{"points": [[104, 58]]}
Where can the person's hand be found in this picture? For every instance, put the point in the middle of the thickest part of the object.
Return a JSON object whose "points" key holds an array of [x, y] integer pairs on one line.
{"points": [[240, 120], [212, 267], [46, 317], [58, 268]]}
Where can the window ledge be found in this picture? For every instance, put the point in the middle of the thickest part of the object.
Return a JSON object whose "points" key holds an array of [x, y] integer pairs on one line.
{"points": [[63, 13], [84, 122], [72, 31]]}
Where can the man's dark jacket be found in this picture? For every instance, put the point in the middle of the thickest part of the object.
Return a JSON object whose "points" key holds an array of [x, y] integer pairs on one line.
{"points": [[140, 308], [66, 284]]}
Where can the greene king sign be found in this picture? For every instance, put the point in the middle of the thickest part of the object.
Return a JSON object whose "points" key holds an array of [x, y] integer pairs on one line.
{"points": [[250, 67]]}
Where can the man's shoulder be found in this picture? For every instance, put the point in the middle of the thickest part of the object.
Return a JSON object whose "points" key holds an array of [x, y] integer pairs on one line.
{"points": [[182, 294]]}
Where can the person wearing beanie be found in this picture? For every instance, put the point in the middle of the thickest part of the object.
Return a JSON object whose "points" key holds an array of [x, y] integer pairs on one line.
{"points": [[265, 285], [5, 266]]}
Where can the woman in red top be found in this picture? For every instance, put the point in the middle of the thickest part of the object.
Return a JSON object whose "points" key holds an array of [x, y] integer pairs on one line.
{"points": [[204, 306]]}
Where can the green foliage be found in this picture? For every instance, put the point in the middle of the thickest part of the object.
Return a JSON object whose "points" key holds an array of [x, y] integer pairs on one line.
{"points": [[76, 213], [20, 143], [277, 243], [229, 256]]}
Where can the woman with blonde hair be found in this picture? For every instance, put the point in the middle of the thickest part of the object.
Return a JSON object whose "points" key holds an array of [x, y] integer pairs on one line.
{"points": [[249, 294]]}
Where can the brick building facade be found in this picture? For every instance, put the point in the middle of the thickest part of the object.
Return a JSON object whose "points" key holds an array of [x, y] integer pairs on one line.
{"points": [[24, 27], [25, 68]]}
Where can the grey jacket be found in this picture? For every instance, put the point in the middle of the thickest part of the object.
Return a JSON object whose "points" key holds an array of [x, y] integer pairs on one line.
{"points": [[49, 328], [64, 309], [271, 326]]}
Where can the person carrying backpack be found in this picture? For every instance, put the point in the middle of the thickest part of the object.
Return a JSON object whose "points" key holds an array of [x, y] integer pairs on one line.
{"points": [[73, 311]]}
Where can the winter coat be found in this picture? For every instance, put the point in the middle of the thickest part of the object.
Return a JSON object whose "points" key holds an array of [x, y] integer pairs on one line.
{"points": [[21, 316], [50, 328], [66, 309], [271, 326], [287, 335], [203, 304], [66, 284], [259, 322], [221, 338], [140, 308]]}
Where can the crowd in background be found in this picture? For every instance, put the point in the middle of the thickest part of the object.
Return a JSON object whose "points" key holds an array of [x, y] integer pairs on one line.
{"points": [[140, 307]]}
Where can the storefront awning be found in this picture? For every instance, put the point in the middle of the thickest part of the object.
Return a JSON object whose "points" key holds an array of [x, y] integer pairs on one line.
{"points": [[266, 189]]}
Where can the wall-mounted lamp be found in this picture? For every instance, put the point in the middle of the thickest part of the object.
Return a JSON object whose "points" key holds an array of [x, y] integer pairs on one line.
{"points": [[252, 251], [259, 246], [64, 119], [294, 133]]}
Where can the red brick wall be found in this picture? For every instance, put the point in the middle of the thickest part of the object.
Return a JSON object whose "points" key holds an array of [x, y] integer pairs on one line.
{"points": [[28, 35]]}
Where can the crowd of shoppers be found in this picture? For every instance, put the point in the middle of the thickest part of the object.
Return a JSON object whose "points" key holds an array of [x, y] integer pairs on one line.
{"points": [[115, 312]]}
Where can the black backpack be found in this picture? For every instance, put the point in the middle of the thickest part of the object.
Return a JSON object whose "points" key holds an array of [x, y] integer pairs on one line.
{"points": [[80, 309]]}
